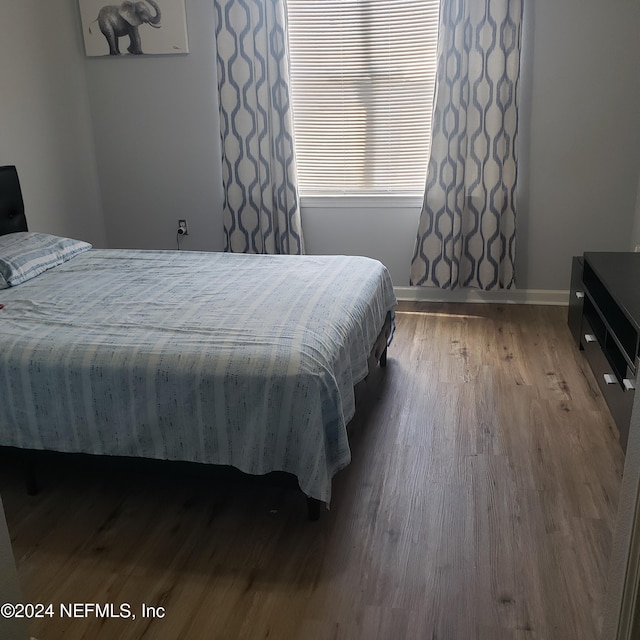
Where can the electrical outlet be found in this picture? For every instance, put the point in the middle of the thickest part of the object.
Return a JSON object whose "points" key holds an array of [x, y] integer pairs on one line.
{"points": [[183, 230]]}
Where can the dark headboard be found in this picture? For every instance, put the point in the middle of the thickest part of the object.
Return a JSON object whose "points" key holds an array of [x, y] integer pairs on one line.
{"points": [[12, 216]]}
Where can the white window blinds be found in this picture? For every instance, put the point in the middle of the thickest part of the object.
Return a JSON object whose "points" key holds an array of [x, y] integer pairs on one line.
{"points": [[362, 76]]}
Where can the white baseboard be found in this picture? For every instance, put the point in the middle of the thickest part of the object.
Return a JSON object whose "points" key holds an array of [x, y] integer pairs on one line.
{"points": [[502, 296]]}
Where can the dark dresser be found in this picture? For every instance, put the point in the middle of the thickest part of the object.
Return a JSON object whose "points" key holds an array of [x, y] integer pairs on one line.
{"points": [[604, 318]]}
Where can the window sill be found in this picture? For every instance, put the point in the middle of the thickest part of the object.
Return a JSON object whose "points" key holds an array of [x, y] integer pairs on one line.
{"points": [[373, 201]]}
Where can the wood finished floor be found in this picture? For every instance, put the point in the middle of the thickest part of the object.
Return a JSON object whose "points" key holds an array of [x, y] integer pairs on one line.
{"points": [[479, 504]]}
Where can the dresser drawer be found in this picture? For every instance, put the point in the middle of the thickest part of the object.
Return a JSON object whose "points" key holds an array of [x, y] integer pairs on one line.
{"points": [[619, 397]]}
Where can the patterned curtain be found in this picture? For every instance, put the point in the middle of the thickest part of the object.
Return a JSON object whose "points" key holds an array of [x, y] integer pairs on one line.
{"points": [[466, 235], [261, 207]]}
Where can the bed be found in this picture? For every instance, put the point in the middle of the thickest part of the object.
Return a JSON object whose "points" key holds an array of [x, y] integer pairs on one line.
{"points": [[248, 361]]}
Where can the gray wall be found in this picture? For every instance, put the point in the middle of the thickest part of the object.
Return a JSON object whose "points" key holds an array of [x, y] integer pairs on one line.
{"points": [[45, 124], [635, 236], [386, 232], [157, 137], [136, 141], [582, 95]]}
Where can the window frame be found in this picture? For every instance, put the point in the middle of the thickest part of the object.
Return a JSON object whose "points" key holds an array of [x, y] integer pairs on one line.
{"points": [[378, 194]]}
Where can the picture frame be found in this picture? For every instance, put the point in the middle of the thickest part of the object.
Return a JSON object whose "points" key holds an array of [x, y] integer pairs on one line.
{"points": [[134, 28]]}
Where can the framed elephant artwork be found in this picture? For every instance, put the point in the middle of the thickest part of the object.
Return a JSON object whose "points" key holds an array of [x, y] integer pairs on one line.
{"points": [[134, 28]]}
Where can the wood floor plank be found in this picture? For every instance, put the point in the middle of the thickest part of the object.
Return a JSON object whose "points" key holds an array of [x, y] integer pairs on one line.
{"points": [[480, 503]]}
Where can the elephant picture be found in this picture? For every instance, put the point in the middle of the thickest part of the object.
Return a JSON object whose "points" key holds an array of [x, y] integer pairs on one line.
{"points": [[117, 29], [116, 21]]}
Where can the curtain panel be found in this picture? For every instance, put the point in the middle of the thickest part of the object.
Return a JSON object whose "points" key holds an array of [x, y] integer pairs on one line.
{"points": [[467, 229], [261, 203]]}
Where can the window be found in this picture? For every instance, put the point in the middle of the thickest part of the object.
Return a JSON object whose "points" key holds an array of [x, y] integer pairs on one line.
{"points": [[362, 80]]}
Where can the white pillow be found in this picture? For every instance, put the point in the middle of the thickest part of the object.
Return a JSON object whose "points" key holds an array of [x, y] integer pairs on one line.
{"points": [[26, 254]]}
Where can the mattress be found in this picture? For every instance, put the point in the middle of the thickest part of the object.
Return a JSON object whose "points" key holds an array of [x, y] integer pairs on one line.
{"points": [[240, 360]]}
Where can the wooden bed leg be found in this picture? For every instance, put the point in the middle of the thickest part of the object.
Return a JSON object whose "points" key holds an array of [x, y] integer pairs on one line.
{"points": [[313, 505], [31, 480], [383, 358]]}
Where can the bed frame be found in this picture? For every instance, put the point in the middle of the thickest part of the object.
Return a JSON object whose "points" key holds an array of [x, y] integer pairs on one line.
{"points": [[13, 219]]}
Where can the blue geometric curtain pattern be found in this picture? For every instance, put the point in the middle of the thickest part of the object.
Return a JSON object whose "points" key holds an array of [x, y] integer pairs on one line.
{"points": [[261, 205], [467, 230]]}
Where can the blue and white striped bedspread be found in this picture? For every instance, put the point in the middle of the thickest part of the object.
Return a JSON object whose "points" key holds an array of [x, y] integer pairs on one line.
{"points": [[248, 361]]}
